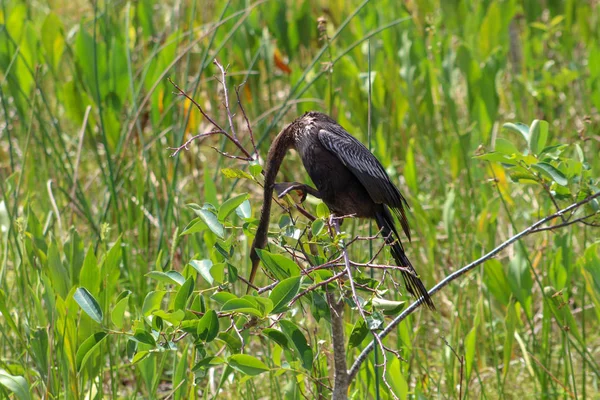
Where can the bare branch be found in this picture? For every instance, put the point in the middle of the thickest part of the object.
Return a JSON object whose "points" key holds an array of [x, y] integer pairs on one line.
{"points": [[455, 275], [223, 82], [239, 101]]}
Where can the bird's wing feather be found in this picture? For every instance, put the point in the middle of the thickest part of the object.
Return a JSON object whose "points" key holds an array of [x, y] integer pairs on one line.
{"points": [[365, 166]]}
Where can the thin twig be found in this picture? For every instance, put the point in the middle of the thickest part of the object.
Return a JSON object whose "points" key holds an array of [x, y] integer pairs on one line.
{"points": [[226, 95], [239, 101]]}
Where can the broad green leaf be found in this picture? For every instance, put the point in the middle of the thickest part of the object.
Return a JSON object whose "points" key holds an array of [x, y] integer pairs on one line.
{"points": [[86, 350], [519, 128], [169, 277], [505, 146], [410, 168], [207, 362], [388, 307], [498, 157], [88, 304], [317, 227], [495, 281], [210, 219], [195, 226], [470, 342], [210, 189], [552, 173], [203, 267], [223, 297], [396, 379], [52, 38], [142, 336], [7, 316], [89, 275], [242, 306], [234, 173], [183, 294], [16, 384], [358, 334], [57, 272], [247, 364], [277, 336], [280, 266], [152, 302], [208, 326], [118, 311], [244, 210], [139, 356], [323, 210], [283, 293], [305, 353], [538, 135], [230, 205]]}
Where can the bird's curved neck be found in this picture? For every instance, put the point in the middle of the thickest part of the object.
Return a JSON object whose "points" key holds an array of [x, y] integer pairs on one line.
{"points": [[277, 151]]}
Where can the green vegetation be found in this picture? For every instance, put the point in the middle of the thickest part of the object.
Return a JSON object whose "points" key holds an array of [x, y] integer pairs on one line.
{"points": [[121, 266]]}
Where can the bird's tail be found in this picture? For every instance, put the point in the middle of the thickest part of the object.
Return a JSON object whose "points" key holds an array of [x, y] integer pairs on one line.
{"points": [[385, 222]]}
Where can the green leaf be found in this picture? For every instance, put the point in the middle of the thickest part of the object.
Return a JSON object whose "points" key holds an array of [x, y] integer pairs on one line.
{"points": [[174, 318], [358, 334], [498, 157], [244, 210], [183, 294], [519, 128], [230, 205], [52, 39], [88, 304], [195, 226], [538, 135], [210, 189], [470, 342], [305, 353], [223, 297], [169, 277], [234, 173], [203, 267], [510, 322], [242, 306], [317, 227], [210, 219], [283, 293], [89, 275], [388, 307], [507, 147], [16, 384], [86, 350], [552, 173], [207, 362], [142, 336], [208, 326], [247, 364], [280, 266], [410, 168], [277, 336], [152, 302], [118, 311], [495, 281], [323, 210]]}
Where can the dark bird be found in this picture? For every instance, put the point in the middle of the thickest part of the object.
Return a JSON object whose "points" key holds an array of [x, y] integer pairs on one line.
{"points": [[349, 180]]}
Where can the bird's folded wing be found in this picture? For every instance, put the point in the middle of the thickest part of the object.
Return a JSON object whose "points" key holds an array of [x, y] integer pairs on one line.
{"points": [[365, 166]]}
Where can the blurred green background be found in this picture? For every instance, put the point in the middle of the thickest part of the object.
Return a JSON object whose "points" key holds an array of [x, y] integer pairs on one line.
{"points": [[87, 117]]}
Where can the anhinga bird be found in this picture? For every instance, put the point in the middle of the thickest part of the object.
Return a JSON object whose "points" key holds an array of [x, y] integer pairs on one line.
{"points": [[349, 180]]}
